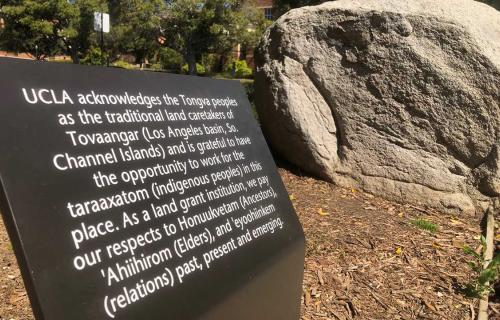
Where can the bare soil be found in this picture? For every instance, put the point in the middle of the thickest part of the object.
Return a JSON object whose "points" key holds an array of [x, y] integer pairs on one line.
{"points": [[364, 259]]}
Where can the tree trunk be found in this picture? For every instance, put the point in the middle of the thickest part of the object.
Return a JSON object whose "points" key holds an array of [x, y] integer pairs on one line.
{"points": [[243, 52], [139, 58], [74, 55], [220, 63], [190, 60]]}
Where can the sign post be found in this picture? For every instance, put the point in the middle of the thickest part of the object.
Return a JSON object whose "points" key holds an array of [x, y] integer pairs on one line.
{"points": [[132, 195], [101, 25]]}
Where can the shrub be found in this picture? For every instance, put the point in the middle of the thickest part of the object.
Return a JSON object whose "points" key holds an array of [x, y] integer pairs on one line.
{"points": [[239, 69], [250, 91], [170, 60], [123, 64], [200, 69], [210, 62], [156, 67], [95, 57]]}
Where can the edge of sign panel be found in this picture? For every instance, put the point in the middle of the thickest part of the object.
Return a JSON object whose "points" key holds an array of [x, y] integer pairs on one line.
{"points": [[10, 226]]}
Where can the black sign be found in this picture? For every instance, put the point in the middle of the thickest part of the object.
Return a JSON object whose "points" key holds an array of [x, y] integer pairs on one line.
{"points": [[140, 195]]}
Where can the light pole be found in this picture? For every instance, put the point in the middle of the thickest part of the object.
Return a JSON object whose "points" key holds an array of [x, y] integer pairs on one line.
{"points": [[101, 25], [102, 32]]}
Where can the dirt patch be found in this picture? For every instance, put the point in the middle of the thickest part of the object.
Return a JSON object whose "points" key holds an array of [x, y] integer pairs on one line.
{"points": [[365, 259]]}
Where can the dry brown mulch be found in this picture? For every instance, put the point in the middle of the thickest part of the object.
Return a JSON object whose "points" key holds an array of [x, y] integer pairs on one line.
{"points": [[364, 259], [14, 304]]}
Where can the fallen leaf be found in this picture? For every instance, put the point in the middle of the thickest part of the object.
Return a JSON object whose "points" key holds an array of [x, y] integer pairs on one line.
{"points": [[322, 213], [292, 197], [320, 277], [15, 299], [307, 298], [398, 250], [458, 244]]}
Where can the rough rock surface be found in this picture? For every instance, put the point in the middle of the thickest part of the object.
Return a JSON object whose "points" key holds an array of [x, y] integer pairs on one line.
{"points": [[398, 98]]}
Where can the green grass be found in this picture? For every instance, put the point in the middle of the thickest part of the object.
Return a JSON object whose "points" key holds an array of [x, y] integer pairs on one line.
{"points": [[425, 225]]}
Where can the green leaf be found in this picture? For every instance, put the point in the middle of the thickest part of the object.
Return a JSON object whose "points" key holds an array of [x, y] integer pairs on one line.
{"points": [[468, 250], [487, 275], [483, 241]]}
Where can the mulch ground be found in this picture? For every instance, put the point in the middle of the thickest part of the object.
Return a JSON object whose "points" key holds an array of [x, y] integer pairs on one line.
{"points": [[365, 259]]}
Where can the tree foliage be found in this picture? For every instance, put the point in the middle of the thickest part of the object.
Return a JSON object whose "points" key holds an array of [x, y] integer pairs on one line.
{"points": [[494, 3], [136, 27], [194, 28], [283, 6], [48, 27], [258, 24]]}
